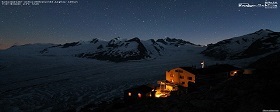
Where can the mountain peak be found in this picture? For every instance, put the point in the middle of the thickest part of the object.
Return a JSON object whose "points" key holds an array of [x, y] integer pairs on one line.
{"points": [[94, 40], [117, 38], [264, 31], [136, 39]]}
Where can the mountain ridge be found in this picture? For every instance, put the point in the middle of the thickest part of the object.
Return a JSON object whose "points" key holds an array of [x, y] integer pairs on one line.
{"points": [[117, 49], [244, 46]]}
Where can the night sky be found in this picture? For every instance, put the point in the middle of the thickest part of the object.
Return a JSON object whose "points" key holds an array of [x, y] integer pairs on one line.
{"points": [[197, 21]]}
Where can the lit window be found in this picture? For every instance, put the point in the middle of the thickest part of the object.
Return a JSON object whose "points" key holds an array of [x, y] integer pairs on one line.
{"points": [[129, 93], [181, 77], [139, 95], [171, 75], [172, 80]]}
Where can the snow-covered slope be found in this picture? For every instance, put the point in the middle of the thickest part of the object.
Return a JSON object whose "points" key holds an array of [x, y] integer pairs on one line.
{"points": [[74, 48], [237, 47], [27, 49], [261, 46]]}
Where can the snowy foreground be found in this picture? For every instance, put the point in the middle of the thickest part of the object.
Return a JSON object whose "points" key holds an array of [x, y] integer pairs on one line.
{"points": [[33, 82]]}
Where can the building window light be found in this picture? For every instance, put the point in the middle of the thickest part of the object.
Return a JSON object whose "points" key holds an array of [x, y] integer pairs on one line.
{"points": [[129, 93], [139, 95]]}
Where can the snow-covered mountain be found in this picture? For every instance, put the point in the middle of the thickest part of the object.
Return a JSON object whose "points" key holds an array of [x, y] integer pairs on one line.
{"points": [[261, 46], [253, 44], [117, 49]]}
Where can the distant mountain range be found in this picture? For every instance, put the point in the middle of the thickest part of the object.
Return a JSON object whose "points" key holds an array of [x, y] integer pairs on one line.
{"points": [[250, 45], [117, 49], [254, 44]]}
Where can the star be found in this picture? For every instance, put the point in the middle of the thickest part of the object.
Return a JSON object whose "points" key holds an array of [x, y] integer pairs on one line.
{"points": [[141, 18]]}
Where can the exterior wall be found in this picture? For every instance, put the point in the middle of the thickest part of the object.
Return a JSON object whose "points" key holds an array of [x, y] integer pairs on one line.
{"points": [[180, 76]]}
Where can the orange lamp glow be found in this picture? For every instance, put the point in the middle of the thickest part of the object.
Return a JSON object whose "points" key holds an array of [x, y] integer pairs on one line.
{"points": [[139, 95]]}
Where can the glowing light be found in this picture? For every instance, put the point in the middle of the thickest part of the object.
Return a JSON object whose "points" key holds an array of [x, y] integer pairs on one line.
{"points": [[158, 95], [202, 64], [139, 95], [129, 94]]}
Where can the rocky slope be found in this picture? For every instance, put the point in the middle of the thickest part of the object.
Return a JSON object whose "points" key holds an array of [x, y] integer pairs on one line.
{"points": [[239, 94], [268, 65], [173, 41]]}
